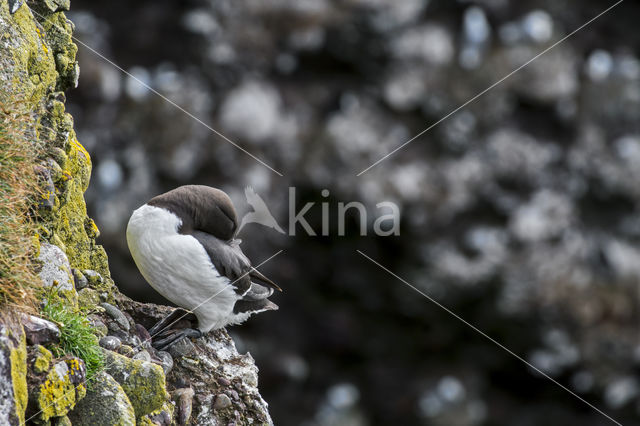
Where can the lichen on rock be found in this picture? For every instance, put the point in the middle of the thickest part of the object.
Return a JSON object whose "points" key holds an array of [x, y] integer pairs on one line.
{"points": [[143, 382], [105, 403], [56, 392], [13, 374], [40, 359], [47, 384], [56, 271], [27, 68]]}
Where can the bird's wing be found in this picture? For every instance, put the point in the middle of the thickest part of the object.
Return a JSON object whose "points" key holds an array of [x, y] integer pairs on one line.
{"points": [[254, 273], [229, 261]]}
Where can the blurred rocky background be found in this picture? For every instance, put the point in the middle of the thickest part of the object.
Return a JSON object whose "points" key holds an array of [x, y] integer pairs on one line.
{"points": [[521, 212]]}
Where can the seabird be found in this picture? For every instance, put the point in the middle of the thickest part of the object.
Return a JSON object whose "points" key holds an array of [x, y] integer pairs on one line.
{"points": [[183, 242]]}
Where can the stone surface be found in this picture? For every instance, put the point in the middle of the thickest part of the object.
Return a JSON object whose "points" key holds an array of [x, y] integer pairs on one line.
{"points": [[94, 279], [117, 315], [57, 392], [57, 5], [56, 270], [105, 403], [14, 5], [13, 375], [111, 343], [222, 402], [162, 417], [143, 355], [143, 382], [88, 298], [127, 351], [37, 63], [183, 399], [181, 348], [61, 421], [212, 367], [79, 279], [39, 331], [165, 360], [143, 335], [40, 359]]}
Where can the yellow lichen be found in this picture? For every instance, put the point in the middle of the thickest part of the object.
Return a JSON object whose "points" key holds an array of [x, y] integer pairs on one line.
{"points": [[143, 382], [81, 391], [18, 359], [44, 45], [57, 394], [42, 361], [33, 73], [82, 149], [144, 421]]}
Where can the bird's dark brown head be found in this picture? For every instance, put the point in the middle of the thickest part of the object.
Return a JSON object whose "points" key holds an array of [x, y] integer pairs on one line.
{"points": [[201, 208]]}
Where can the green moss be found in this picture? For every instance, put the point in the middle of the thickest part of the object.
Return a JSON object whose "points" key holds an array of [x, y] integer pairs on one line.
{"points": [[100, 263], [91, 228], [18, 359], [72, 213]]}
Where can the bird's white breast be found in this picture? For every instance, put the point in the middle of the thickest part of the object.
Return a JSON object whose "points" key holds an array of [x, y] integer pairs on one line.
{"points": [[178, 267]]}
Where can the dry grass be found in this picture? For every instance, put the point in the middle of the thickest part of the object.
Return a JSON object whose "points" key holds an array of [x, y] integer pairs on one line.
{"points": [[19, 152]]}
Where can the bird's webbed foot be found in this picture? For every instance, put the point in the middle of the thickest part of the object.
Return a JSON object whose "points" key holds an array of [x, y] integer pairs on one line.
{"points": [[173, 328], [171, 337]]}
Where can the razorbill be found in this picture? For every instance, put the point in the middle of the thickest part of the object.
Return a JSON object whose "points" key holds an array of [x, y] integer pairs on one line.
{"points": [[183, 242]]}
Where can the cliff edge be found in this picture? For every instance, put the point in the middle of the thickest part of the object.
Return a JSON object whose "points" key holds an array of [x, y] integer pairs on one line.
{"points": [[76, 351]]}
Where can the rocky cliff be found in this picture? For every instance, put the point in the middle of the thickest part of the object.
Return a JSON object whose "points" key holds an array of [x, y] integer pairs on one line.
{"points": [[82, 355]]}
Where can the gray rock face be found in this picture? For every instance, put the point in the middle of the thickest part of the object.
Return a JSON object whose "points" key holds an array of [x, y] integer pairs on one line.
{"points": [[117, 316], [183, 399], [12, 405], [79, 279], [224, 379], [93, 278], [14, 5], [222, 402], [56, 270], [111, 343], [166, 361], [57, 5], [56, 392], [39, 331], [143, 355], [212, 373], [106, 403]]}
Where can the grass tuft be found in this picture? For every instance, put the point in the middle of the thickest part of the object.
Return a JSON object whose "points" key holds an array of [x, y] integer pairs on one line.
{"points": [[19, 191], [76, 336]]}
